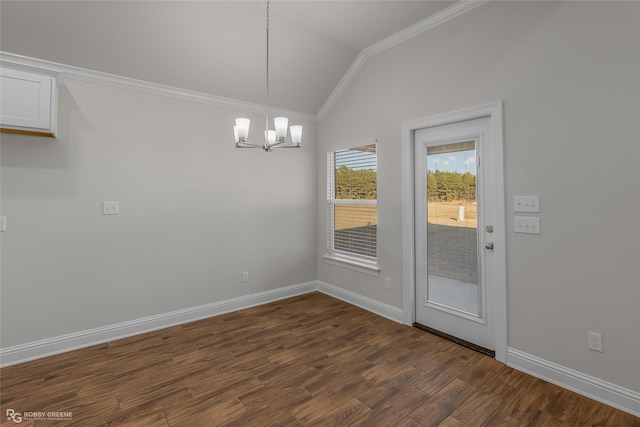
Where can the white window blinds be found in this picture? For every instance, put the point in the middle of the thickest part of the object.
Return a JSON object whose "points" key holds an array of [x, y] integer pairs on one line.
{"points": [[352, 217]]}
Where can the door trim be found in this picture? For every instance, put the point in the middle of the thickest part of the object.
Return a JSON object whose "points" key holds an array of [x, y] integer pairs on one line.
{"points": [[494, 112]]}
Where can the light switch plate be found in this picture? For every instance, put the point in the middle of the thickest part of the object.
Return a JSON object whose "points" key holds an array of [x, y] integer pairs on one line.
{"points": [[3, 223], [110, 208], [526, 224], [526, 204]]}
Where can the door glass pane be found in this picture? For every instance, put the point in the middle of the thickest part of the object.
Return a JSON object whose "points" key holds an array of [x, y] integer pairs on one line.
{"points": [[452, 227]]}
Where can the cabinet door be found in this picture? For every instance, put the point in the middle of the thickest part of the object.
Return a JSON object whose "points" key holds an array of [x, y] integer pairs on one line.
{"points": [[26, 99]]}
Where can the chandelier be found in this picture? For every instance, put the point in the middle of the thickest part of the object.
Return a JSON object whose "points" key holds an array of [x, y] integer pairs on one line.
{"points": [[272, 138]]}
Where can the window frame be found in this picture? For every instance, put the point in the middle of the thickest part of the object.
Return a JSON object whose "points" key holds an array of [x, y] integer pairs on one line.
{"points": [[347, 259]]}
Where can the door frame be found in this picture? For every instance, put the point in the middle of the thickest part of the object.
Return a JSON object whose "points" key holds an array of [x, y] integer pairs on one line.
{"points": [[494, 112]]}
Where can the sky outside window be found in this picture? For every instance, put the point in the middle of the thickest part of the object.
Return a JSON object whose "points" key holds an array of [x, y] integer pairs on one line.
{"points": [[461, 162]]}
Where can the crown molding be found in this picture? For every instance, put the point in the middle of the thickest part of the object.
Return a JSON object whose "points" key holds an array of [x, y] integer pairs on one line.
{"points": [[343, 84], [426, 24], [395, 39], [62, 72]]}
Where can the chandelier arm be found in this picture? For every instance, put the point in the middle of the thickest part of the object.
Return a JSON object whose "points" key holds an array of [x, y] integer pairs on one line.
{"points": [[247, 145], [275, 144]]}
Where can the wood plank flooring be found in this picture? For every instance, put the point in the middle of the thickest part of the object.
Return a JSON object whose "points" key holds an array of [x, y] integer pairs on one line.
{"points": [[311, 360]]}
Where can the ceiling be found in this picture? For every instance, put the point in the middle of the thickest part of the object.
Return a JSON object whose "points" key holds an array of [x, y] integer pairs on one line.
{"points": [[215, 47]]}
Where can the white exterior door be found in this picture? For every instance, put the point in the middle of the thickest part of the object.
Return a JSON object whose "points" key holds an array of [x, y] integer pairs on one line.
{"points": [[456, 197]]}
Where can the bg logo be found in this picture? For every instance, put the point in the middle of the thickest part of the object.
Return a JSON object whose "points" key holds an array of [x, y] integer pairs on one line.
{"points": [[14, 416]]}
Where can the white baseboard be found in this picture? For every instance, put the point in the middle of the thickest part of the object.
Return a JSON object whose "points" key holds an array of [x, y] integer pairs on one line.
{"points": [[377, 307], [60, 344], [586, 385], [594, 388]]}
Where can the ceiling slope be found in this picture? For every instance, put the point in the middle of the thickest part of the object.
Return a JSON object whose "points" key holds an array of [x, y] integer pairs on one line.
{"points": [[216, 49]]}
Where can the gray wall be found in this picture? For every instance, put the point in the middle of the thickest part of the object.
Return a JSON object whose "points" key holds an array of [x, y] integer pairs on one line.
{"points": [[194, 213], [568, 76]]}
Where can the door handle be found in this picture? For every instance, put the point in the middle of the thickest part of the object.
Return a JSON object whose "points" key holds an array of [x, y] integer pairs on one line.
{"points": [[488, 245]]}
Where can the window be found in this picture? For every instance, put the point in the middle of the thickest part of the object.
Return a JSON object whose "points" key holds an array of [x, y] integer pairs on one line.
{"points": [[352, 213]]}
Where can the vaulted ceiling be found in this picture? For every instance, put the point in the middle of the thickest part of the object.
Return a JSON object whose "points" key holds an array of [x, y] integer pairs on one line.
{"points": [[214, 47]]}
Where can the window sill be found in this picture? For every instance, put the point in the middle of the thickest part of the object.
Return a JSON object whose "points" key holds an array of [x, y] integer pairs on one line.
{"points": [[370, 269]]}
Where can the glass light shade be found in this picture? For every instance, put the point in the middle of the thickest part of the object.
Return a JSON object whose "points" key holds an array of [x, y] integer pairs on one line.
{"points": [[242, 129], [281, 127], [296, 134], [235, 134], [270, 136]]}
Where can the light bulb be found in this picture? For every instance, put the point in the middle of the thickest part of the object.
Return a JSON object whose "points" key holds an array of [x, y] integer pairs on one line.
{"points": [[270, 136], [242, 128], [281, 127], [296, 135]]}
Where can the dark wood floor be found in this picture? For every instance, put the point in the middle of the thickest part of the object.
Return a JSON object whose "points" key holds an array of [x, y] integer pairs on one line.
{"points": [[309, 360]]}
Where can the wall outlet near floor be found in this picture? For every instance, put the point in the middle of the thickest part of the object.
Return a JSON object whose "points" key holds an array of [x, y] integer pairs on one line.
{"points": [[594, 341], [245, 276], [110, 208], [387, 283]]}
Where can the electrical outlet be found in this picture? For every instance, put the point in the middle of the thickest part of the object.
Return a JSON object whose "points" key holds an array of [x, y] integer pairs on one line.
{"points": [[387, 283], [245, 276], [110, 208], [594, 341]]}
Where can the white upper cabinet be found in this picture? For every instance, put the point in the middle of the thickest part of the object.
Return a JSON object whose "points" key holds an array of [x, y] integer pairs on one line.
{"points": [[28, 103]]}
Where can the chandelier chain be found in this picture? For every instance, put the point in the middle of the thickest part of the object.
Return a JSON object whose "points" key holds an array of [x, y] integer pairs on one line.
{"points": [[273, 138], [267, 114]]}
